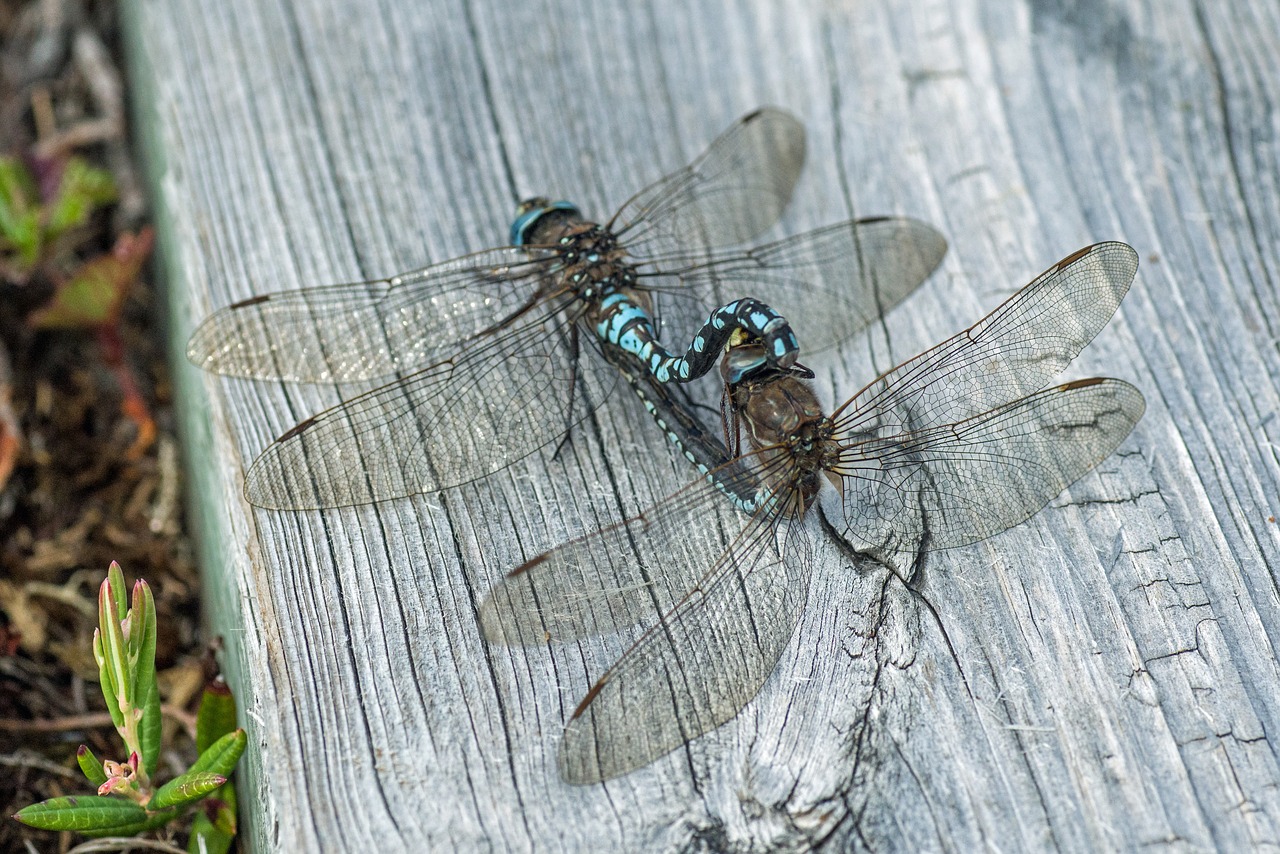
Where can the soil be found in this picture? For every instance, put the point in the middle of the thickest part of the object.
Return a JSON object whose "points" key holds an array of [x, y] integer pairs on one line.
{"points": [[88, 483]]}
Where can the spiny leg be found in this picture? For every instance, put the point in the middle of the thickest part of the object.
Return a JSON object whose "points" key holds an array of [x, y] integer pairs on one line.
{"points": [[575, 352]]}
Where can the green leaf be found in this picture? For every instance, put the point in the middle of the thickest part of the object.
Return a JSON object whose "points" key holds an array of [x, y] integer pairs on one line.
{"points": [[214, 827], [90, 765], [23, 234], [95, 293], [144, 613], [217, 714], [154, 820], [106, 676], [115, 577], [17, 202], [84, 300], [17, 185], [189, 787], [108, 643], [83, 813], [82, 189], [150, 730], [222, 755], [224, 813], [207, 838]]}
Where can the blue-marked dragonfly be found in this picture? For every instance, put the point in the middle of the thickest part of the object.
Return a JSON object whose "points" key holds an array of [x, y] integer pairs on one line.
{"points": [[947, 448], [481, 352]]}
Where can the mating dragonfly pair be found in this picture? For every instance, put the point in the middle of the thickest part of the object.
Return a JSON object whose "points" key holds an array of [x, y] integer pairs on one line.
{"points": [[950, 447]]}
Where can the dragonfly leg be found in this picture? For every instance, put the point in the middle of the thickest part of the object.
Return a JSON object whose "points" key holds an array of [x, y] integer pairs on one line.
{"points": [[690, 403], [535, 299], [732, 443], [575, 350]]}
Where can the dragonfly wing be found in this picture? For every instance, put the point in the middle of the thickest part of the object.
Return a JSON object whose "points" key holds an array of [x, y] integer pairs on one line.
{"points": [[366, 330], [735, 190], [830, 283], [955, 484], [623, 575], [448, 424], [701, 664], [1010, 353]]}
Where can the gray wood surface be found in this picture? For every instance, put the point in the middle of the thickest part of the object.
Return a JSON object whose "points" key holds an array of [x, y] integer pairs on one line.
{"points": [[1103, 677]]}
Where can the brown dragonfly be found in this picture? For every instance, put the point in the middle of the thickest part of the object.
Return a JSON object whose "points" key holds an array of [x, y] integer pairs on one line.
{"points": [[948, 448]]}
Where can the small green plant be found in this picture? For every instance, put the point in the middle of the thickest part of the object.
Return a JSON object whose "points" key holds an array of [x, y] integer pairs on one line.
{"points": [[46, 208], [128, 801], [42, 203]]}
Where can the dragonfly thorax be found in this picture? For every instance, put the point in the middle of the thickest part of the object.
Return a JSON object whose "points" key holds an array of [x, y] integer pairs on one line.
{"points": [[780, 412], [593, 263]]}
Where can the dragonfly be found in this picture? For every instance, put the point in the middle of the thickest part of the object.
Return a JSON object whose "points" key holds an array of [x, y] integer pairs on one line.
{"points": [[948, 448], [479, 356]]}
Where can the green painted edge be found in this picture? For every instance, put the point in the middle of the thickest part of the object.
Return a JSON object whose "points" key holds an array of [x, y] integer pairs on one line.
{"points": [[214, 538]]}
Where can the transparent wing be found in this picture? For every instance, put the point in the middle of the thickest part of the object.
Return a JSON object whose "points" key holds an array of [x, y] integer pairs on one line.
{"points": [[954, 484], [367, 330], [735, 190], [830, 283], [1010, 353], [701, 664], [451, 423], [623, 575]]}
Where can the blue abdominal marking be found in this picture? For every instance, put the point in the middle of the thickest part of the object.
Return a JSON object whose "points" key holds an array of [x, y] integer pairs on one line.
{"points": [[629, 326]]}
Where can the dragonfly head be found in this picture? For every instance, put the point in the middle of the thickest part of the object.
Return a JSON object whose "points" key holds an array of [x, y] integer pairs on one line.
{"points": [[741, 362], [747, 358], [539, 221], [775, 404]]}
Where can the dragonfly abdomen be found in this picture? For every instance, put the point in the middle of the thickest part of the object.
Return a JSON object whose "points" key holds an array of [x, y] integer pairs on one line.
{"points": [[627, 324], [692, 440]]}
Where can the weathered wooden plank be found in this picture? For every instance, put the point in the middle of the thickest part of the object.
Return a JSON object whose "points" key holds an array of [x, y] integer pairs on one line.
{"points": [[1103, 677]]}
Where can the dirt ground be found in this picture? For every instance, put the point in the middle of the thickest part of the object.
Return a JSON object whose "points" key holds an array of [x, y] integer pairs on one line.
{"points": [[88, 482]]}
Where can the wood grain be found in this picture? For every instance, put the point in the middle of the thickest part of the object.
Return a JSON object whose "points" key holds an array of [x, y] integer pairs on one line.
{"points": [[1103, 677]]}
